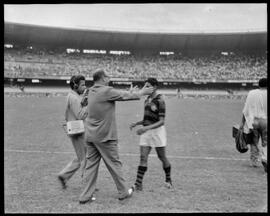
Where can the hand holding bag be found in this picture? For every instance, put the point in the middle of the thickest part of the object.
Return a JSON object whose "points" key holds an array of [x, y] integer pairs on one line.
{"points": [[241, 139], [74, 127]]}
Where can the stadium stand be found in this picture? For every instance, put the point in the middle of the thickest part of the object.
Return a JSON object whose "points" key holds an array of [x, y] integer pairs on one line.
{"points": [[41, 63]]}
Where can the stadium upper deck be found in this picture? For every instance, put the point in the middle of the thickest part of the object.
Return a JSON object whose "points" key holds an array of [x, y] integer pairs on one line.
{"points": [[135, 41]]}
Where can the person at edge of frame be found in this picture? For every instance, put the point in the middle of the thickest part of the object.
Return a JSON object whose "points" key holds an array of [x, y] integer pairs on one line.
{"points": [[254, 120]]}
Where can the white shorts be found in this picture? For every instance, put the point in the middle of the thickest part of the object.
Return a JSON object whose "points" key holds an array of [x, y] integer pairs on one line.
{"points": [[155, 137]]}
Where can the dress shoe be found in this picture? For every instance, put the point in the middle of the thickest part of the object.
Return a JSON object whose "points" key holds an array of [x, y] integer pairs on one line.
{"points": [[62, 181], [130, 192], [91, 199]]}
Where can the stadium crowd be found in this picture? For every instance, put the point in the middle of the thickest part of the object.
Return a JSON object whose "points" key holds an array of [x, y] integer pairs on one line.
{"points": [[22, 63]]}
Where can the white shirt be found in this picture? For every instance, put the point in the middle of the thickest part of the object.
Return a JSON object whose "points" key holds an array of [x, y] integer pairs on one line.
{"points": [[255, 106]]}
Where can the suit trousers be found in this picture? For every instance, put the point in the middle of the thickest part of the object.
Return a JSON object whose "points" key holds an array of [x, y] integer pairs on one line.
{"points": [[108, 151], [259, 133], [78, 143]]}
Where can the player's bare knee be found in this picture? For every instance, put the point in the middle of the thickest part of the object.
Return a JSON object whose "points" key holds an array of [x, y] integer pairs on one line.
{"points": [[162, 158], [143, 159], [164, 161]]}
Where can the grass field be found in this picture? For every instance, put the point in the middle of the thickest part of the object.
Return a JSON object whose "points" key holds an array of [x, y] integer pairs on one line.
{"points": [[208, 174]]}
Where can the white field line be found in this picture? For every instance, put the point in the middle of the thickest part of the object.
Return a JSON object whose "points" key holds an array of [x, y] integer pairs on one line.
{"points": [[132, 155]]}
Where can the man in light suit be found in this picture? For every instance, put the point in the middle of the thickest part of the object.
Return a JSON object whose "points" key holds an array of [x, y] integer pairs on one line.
{"points": [[75, 110], [101, 134]]}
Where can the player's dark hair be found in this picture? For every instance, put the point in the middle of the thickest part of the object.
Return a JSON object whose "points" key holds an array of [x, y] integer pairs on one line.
{"points": [[152, 81], [98, 74], [263, 82], [75, 80]]}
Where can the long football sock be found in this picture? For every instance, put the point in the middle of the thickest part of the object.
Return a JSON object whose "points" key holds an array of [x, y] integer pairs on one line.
{"points": [[140, 174], [167, 171]]}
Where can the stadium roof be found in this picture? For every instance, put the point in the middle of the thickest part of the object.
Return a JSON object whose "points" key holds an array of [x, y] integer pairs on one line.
{"points": [[25, 34], [150, 17]]}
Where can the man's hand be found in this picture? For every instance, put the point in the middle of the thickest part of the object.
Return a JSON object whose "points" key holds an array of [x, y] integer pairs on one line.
{"points": [[132, 125], [132, 89], [146, 90], [84, 100], [141, 131]]}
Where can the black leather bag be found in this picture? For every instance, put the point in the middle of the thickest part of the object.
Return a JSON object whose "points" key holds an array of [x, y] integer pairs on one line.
{"points": [[241, 139]]}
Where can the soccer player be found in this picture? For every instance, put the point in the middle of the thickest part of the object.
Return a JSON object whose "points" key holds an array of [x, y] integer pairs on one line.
{"points": [[153, 134]]}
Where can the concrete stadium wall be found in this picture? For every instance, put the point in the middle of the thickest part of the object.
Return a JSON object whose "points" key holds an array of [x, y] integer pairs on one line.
{"points": [[203, 85]]}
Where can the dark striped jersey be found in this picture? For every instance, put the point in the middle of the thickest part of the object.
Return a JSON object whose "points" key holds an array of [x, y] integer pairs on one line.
{"points": [[153, 109]]}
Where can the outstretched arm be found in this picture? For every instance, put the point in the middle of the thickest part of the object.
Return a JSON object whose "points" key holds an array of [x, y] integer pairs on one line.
{"points": [[118, 95], [242, 122]]}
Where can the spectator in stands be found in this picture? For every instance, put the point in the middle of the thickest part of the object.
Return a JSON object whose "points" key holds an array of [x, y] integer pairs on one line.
{"points": [[219, 67]]}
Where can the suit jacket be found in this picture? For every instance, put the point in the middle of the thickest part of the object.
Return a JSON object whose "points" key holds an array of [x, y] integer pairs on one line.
{"points": [[74, 110], [100, 124]]}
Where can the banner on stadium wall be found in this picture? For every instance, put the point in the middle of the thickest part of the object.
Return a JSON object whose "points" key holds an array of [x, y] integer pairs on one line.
{"points": [[35, 81], [203, 81], [68, 78], [121, 83], [119, 79], [65, 77], [20, 80], [242, 81]]}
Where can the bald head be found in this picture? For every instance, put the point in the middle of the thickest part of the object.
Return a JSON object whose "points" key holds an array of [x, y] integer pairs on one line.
{"points": [[101, 77], [98, 75]]}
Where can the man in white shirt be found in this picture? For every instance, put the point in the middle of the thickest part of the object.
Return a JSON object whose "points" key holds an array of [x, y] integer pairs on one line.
{"points": [[75, 110], [255, 120]]}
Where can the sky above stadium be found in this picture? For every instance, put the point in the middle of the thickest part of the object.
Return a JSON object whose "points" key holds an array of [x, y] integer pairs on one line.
{"points": [[144, 17]]}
